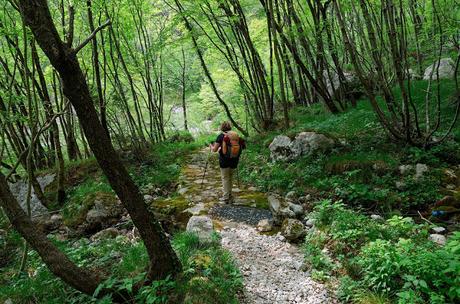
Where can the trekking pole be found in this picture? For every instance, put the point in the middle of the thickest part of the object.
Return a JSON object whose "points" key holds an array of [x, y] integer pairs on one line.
{"points": [[238, 177], [205, 167]]}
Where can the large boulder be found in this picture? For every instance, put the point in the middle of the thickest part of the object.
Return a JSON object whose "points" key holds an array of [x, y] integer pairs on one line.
{"points": [[283, 148], [103, 214], [333, 83], [292, 229], [446, 69], [201, 226], [19, 189], [308, 142], [280, 149]]}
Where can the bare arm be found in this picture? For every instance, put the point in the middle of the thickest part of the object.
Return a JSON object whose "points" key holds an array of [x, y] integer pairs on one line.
{"points": [[214, 147]]}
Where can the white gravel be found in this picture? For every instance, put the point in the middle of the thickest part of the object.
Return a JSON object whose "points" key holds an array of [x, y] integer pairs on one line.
{"points": [[271, 268]]}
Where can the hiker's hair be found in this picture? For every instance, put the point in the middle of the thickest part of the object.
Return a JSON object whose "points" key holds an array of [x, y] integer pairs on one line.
{"points": [[225, 126]]}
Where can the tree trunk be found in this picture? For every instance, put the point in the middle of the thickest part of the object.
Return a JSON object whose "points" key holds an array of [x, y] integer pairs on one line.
{"points": [[57, 262], [163, 260], [97, 72]]}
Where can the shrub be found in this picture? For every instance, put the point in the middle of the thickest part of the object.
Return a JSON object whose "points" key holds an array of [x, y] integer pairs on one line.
{"points": [[181, 136], [392, 259]]}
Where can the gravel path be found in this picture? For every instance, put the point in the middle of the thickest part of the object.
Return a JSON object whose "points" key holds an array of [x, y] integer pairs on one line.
{"points": [[241, 214], [271, 268]]}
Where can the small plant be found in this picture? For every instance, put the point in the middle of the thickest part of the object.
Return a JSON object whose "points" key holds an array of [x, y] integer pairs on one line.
{"points": [[383, 261]]}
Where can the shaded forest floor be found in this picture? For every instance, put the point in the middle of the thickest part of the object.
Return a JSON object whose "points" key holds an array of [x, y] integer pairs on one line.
{"points": [[385, 259], [270, 266]]}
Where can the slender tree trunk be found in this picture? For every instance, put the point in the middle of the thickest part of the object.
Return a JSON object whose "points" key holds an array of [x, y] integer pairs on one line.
{"points": [[184, 106], [206, 70], [57, 262], [163, 260], [97, 72]]}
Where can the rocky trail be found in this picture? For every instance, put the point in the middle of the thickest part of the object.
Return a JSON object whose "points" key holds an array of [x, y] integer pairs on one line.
{"points": [[271, 267]]}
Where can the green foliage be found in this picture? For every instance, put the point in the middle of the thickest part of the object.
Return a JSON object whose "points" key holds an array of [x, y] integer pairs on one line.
{"points": [[393, 258], [210, 274], [362, 171], [314, 256], [82, 197], [181, 136], [163, 164]]}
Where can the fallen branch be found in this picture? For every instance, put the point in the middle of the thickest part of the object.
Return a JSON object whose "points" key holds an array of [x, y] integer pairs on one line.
{"points": [[423, 218]]}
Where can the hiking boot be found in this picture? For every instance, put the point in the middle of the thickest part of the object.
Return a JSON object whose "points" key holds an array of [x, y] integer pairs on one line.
{"points": [[227, 201]]}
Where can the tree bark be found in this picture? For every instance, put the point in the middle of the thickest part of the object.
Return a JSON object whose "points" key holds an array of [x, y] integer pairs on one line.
{"points": [[163, 260], [57, 262]]}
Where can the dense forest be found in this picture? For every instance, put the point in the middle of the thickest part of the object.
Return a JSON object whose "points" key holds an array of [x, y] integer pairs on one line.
{"points": [[347, 189]]}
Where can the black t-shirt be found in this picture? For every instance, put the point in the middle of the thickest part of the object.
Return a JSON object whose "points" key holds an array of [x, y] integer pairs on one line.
{"points": [[224, 161]]}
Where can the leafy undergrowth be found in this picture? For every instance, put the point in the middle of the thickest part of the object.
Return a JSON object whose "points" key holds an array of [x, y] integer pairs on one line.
{"points": [[209, 274], [155, 168], [390, 261], [363, 169], [381, 261]]}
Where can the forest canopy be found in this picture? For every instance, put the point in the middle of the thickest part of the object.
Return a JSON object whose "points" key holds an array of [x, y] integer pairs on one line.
{"points": [[103, 83]]}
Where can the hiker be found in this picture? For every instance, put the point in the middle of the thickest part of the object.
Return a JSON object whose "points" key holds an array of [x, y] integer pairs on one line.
{"points": [[229, 145]]}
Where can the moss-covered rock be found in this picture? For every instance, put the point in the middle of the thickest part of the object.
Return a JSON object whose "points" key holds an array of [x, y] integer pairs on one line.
{"points": [[292, 229], [76, 213]]}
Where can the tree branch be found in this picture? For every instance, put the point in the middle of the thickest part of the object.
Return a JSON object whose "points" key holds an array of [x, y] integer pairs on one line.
{"points": [[93, 34], [69, 38]]}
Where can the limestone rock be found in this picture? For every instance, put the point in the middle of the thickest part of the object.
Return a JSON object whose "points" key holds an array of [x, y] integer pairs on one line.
{"points": [[377, 217], [280, 149], [286, 212], [264, 225], [439, 230], [306, 143], [283, 148], [103, 213], [292, 229], [333, 83], [297, 209], [310, 223], [438, 239], [54, 222], [274, 204], [410, 73], [182, 191], [290, 196], [446, 69], [405, 169], [202, 226], [400, 185], [420, 170], [38, 211], [305, 199], [148, 198], [109, 233]]}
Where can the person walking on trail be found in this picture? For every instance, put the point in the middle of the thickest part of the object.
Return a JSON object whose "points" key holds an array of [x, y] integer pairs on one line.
{"points": [[229, 145]]}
